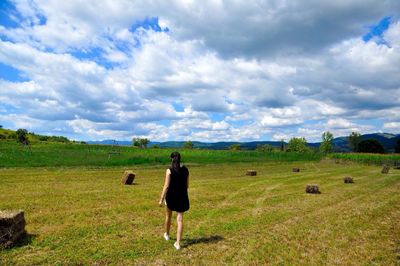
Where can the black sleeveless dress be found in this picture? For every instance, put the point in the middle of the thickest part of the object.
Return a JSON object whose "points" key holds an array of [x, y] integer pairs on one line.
{"points": [[177, 195]]}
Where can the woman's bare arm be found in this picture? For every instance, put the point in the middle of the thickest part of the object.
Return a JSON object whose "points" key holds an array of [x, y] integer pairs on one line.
{"points": [[165, 188]]}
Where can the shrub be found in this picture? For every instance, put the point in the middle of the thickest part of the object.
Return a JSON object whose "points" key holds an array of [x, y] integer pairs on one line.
{"points": [[397, 147], [188, 145], [235, 147], [264, 148], [370, 146], [12, 136], [43, 138]]}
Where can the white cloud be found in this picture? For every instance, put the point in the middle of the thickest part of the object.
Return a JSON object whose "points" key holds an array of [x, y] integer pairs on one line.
{"points": [[392, 126], [269, 69]]}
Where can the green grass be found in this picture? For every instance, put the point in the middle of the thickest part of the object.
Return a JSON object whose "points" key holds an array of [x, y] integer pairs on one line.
{"points": [[59, 154], [85, 216]]}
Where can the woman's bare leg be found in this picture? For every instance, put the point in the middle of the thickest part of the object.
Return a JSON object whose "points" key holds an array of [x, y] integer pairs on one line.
{"points": [[179, 220], [167, 223]]}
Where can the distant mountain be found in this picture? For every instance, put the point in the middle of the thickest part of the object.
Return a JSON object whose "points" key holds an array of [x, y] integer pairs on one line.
{"points": [[197, 144], [110, 142], [340, 144]]}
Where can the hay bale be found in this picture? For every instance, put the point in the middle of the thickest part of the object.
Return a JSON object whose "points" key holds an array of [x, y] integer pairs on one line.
{"points": [[348, 180], [251, 172], [12, 227], [385, 169], [128, 177], [296, 170], [313, 189]]}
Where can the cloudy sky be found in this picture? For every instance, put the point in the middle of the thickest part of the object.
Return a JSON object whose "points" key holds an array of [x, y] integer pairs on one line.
{"points": [[207, 70]]}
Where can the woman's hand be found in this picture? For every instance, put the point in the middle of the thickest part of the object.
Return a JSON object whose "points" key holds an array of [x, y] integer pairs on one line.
{"points": [[160, 203]]}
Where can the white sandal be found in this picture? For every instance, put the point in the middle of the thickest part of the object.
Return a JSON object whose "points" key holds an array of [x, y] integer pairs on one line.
{"points": [[166, 236], [177, 246]]}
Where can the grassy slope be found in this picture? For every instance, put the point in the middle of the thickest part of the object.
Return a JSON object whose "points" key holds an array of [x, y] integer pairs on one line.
{"points": [[86, 216]]}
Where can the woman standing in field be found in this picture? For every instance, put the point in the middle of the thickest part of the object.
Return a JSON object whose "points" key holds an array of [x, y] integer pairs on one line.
{"points": [[175, 193]]}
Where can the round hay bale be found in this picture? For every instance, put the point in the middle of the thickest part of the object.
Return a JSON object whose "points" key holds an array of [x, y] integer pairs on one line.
{"points": [[313, 189], [348, 180], [296, 170], [128, 177], [251, 172]]}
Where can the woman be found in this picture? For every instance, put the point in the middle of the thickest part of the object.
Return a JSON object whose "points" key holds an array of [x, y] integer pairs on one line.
{"points": [[176, 196]]}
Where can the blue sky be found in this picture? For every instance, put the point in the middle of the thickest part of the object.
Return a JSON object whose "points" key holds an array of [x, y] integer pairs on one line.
{"points": [[200, 70]]}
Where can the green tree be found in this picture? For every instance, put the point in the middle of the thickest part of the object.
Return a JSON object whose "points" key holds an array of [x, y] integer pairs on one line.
{"points": [[136, 142], [1, 126], [370, 146], [354, 140], [297, 145], [188, 145], [282, 145], [144, 143], [235, 147], [140, 142], [326, 144], [22, 136], [397, 147]]}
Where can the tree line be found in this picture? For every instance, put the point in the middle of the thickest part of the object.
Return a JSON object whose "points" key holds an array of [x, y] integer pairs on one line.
{"points": [[295, 144]]}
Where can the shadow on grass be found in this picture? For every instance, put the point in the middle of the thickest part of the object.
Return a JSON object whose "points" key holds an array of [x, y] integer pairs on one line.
{"points": [[24, 240], [206, 239]]}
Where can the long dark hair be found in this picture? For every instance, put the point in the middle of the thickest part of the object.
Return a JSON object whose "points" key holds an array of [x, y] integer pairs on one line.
{"points": [[176, 161]]}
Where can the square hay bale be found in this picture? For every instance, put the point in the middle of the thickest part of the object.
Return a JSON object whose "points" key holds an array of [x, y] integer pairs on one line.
{"points": [[313, 189], [128, 177], [12, 227], [348, 180], [296, 170], [251, 172], [385, 169]]}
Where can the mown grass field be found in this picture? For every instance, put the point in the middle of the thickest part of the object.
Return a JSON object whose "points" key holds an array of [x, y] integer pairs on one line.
{"points": [[85, 216]]}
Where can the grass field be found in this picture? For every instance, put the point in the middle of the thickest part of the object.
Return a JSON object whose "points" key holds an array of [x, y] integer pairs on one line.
{"points": [[50, 154], [368, 158], [85, 216]]}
